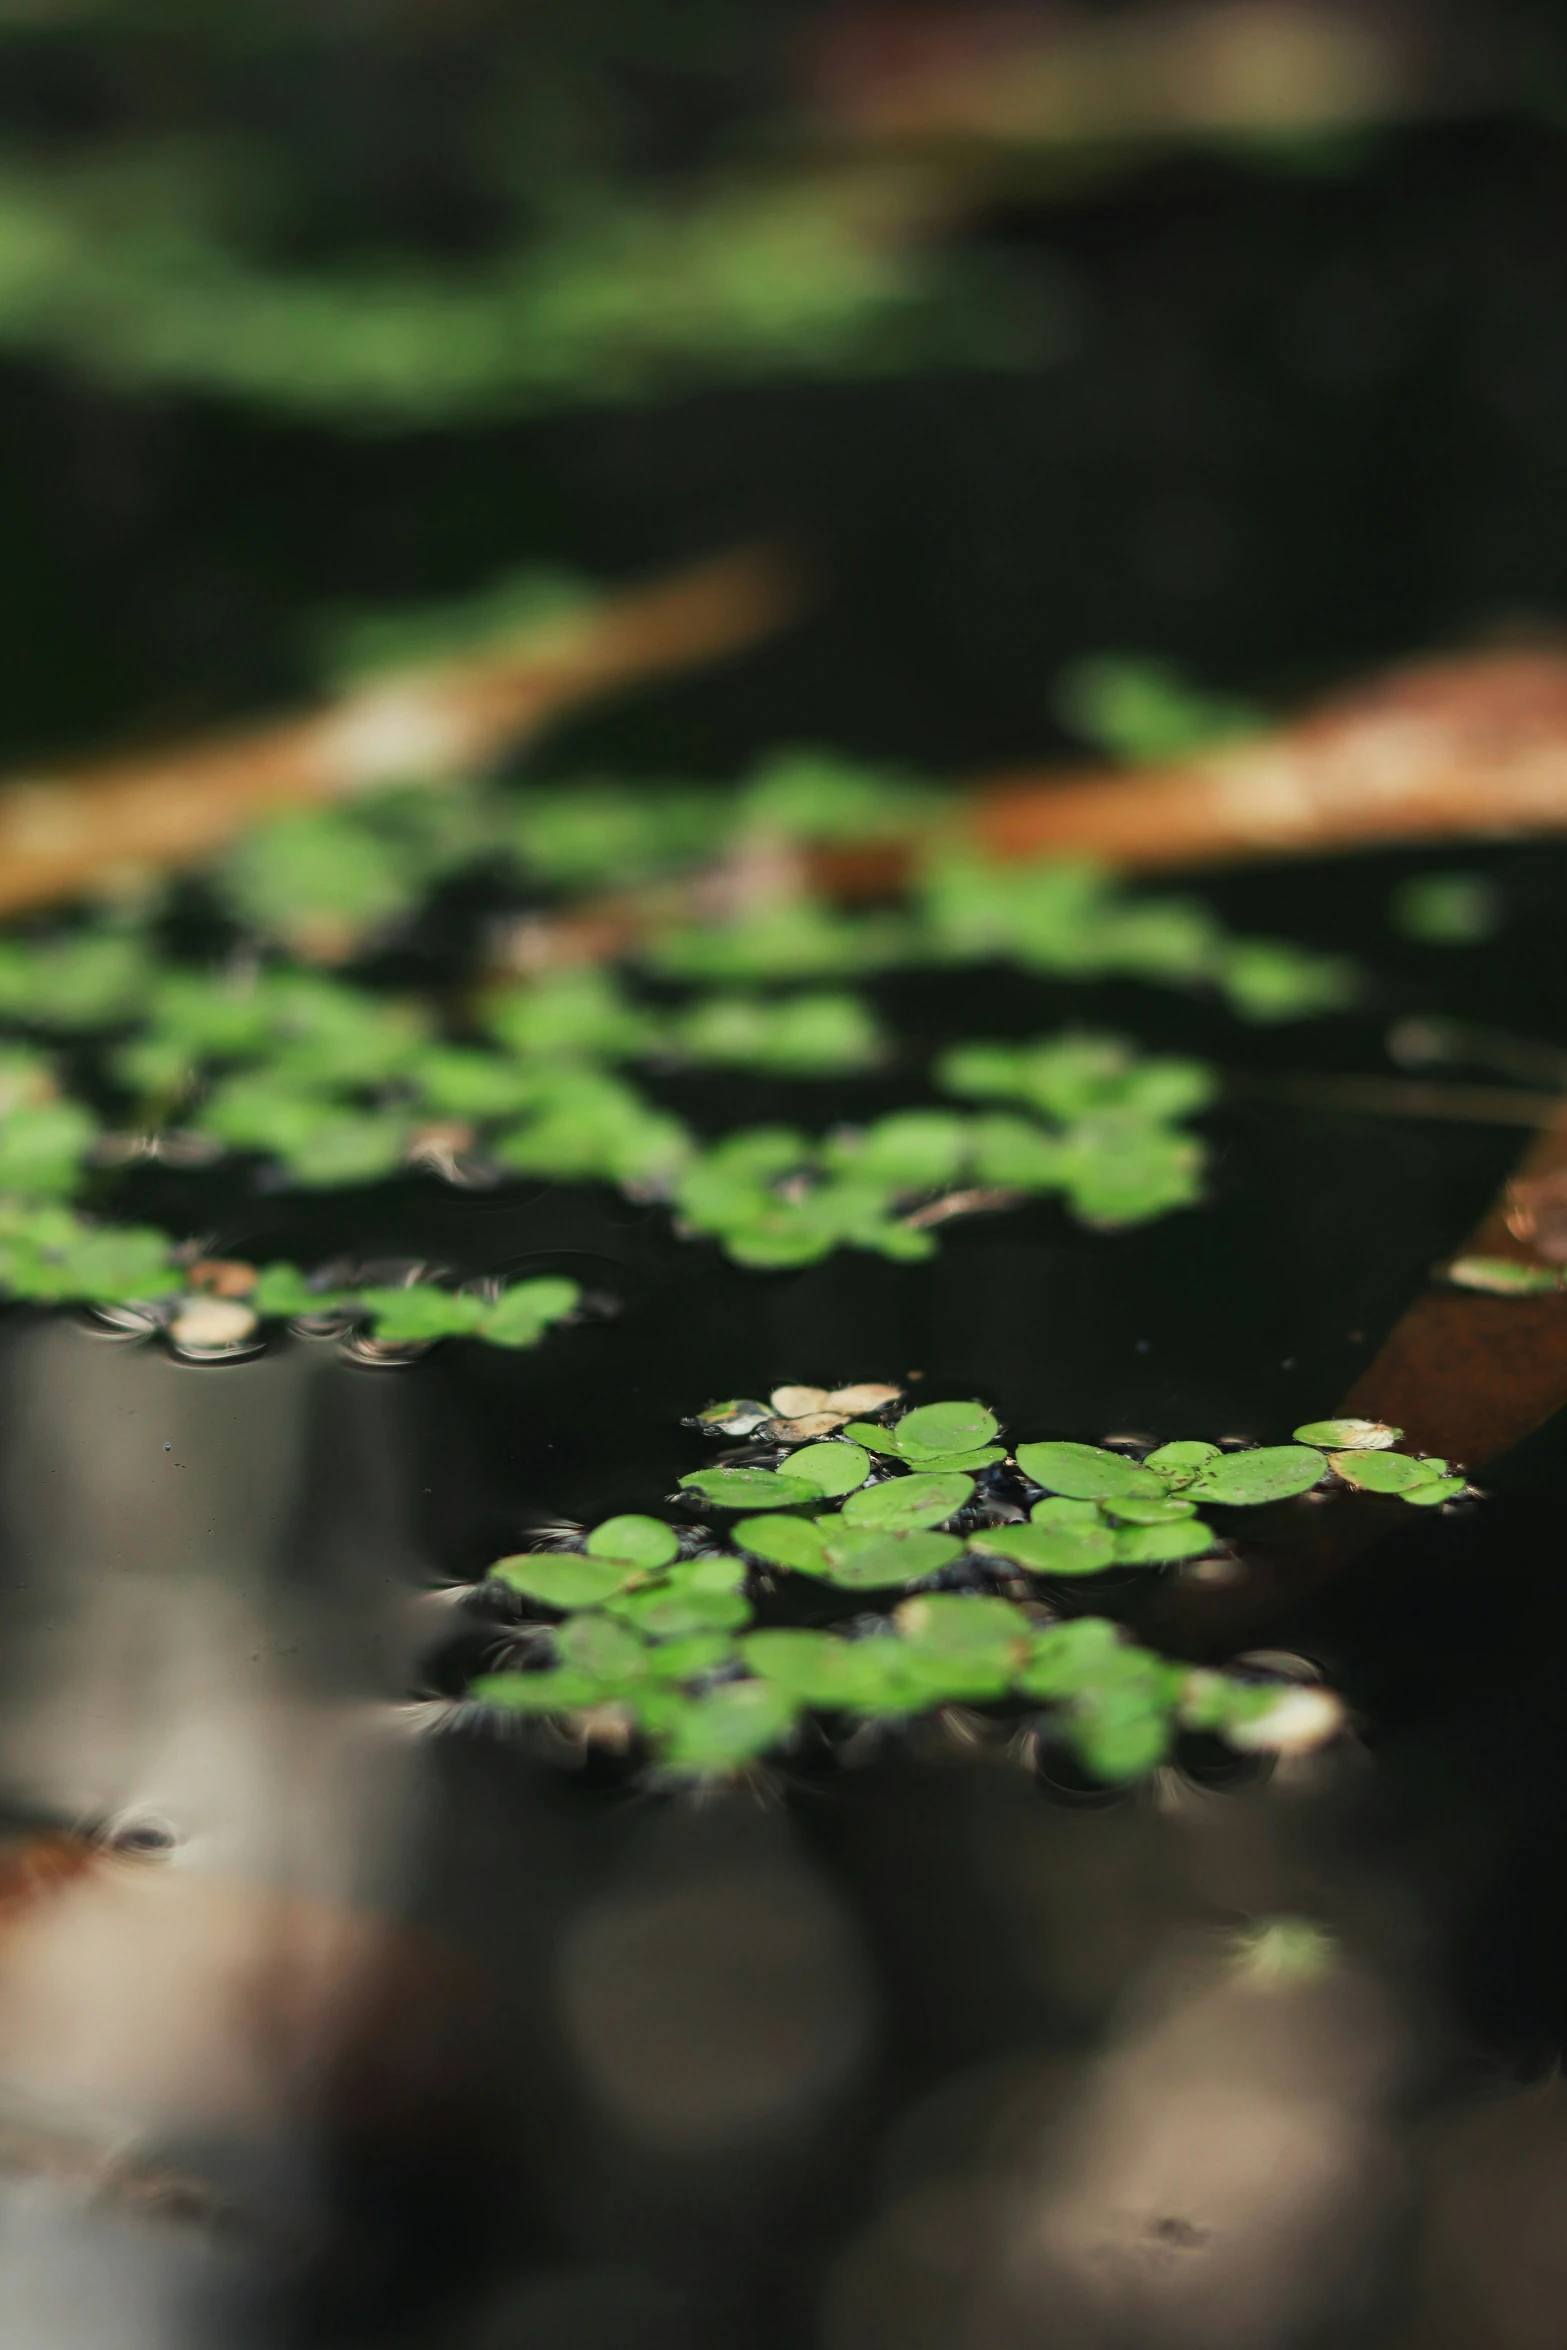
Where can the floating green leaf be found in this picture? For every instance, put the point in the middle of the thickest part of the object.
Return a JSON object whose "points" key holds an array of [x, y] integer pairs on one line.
{"points": [[750, 1489], [1436, 1490], [43, 1146], [968, 1646], [704, 1595], [602, 1649], [536, 1693], [831, 1468], [409, 1316], [1086, 1472], [1150, 1546], [561, 1579], [1348, 1435], [521, 1315], [1275, 1472], [645, 1543], [1386, 1472], [1147, 1509], [824, 1669], [873, 1558], [1050, 1549], [1180, 1461], [783, 1542], [900, 1503], [944, 1427], [728, 1726]]}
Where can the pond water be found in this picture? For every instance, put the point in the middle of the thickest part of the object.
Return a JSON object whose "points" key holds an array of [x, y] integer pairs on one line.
{"points": [[352, 2021], [364, 2030]]}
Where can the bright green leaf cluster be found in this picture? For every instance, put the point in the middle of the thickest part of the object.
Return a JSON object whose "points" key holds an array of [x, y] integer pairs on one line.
{"points": [[658, 1635]]}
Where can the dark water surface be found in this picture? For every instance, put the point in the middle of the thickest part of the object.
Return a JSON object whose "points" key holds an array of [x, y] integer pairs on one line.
{"points": [[349, 2032], [428, 2037]]}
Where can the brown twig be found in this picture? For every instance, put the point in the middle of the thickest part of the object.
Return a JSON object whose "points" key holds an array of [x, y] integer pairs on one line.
{"points": [[83, 829], [1447, 750]]}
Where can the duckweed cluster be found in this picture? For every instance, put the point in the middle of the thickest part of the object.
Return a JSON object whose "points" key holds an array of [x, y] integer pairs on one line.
{"points": [[713, 1645], [534, 1062]]}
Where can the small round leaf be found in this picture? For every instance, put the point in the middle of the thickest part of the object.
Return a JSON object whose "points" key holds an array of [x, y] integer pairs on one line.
{"points": [[1243, 1480], [831, 1468], [1159, 1546], [641, 1542], [870, 1559], [1137, 1510], [944, 1427], [1386, 1472], [1182, 1459], [903, 1502], [1050, 1550], [1348, 1435], [1086, 1472], [783, 1542], [561, 1579], [749, 1489], [729, 1726]]}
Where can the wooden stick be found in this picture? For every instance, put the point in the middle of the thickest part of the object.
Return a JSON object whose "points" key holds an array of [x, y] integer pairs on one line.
{"points": [[86, 829], [1458, 749], [1462, 1374]]}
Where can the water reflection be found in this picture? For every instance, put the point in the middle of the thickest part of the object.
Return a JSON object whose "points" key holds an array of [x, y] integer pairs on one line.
{"points": [[313, 2031], [205, 1603]]}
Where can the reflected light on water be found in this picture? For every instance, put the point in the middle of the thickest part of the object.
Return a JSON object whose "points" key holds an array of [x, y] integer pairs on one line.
{"points": [[189, 1997]]}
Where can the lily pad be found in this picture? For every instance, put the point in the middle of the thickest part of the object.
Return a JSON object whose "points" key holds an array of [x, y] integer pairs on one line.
{"points": [[1122, 1740], [1244, 1480], [1065, 1659], [536, 1693], [646, 1543], [831, 1468], [702, 1596], [1086, 1472], [1177, 1462], [1050, 1550], [824, 1669], [1133, 1509], [967, 1463], [1386, 1472], [749, 1489], [689, 1657], [1158, 1546], [944, 1427], [521, 1315], [966, 1646], [871, 1558], [1057, 1510], [873, 1438], [900, 1503], [729, 1726], [966, 1622], [561, 1579], [403, 1317], [598, 1646], [1436, 1490], [783, 1542], [1348, 1435]]}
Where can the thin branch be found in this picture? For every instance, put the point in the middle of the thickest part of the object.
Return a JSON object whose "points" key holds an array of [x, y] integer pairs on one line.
{"points": [[83, 829]]}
